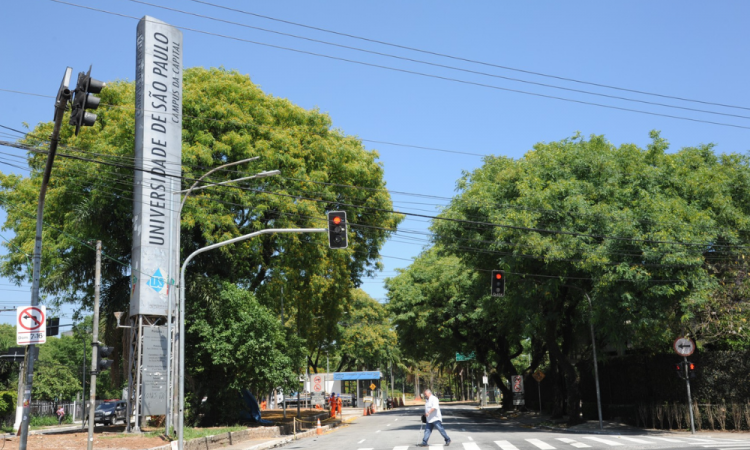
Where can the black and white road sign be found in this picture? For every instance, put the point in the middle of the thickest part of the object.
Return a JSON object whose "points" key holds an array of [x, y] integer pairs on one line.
{"points": [[684, 346], [31, 325]]}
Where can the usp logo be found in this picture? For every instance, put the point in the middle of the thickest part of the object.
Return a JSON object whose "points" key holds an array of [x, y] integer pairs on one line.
{"points": [[157, 281]]}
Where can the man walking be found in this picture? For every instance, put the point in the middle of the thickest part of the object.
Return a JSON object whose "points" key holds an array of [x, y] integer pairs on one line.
{"points": [[434, 418]]}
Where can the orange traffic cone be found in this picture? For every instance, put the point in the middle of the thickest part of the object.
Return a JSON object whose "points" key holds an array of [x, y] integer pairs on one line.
{"points": [[373, 408], [319, 430]]}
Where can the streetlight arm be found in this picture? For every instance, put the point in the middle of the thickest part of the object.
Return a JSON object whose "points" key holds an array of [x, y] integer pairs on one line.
{"points": [[181, 406], [223, 166], [263, 174]]}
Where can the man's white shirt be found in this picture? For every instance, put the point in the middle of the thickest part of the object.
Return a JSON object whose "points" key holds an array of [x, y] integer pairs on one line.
{"points": [[431, 403]]}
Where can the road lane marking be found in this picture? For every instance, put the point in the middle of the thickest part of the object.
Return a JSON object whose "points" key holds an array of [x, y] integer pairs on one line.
{"points": [[404, 447], [388, 425], [540, 444], [604, 441], [361, 441], [436, 447], [378, 431], [470, 446], [573, 442], [636, 440], [667, 439], [471, 438], [505, 445], [365, 449]]}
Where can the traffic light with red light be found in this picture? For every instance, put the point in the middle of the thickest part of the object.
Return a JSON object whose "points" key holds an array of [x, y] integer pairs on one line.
{"points": [[680, 370], [337, 229], [498, 283], [691, 369], [83, 100]]}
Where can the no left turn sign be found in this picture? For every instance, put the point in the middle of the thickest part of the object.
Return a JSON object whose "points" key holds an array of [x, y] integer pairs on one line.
{"points": [[30, 325]]}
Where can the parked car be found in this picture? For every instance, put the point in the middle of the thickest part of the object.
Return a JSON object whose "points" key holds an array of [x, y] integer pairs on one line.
{"points": [[110, 412]]}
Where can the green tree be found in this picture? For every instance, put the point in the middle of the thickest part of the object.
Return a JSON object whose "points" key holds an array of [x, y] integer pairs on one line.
{"points": [[367, 338], [648, 236], [226, 118], [239, 344]]}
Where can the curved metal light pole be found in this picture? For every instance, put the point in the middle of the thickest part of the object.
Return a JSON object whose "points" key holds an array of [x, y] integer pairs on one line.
{"points": [[175, 265], [181, 419]]}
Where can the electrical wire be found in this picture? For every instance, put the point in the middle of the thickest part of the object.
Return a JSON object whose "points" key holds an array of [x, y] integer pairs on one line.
{"points": [[473, 61], [417, 73], [442, 66]]}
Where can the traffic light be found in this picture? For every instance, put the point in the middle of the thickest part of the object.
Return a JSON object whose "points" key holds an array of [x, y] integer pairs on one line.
{"points": [[498, 283], [102, 363], [680, 370], [691, 369], [53, 326], [83, 100], [337, 229]]}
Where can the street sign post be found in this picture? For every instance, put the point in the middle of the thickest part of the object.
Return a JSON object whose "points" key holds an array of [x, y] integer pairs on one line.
{"points": [[685, 347], [317, 384], [539, 376], [30, 325]]}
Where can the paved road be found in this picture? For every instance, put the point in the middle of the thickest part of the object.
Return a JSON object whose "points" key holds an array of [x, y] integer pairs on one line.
{"points": [[469, 429]]}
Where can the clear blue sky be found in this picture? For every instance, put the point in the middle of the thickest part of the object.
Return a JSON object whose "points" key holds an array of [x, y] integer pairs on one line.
{"points": [[687, 49]]}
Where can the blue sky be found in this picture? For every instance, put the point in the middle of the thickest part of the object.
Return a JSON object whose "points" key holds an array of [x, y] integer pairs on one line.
{"points": [[687, 49]]}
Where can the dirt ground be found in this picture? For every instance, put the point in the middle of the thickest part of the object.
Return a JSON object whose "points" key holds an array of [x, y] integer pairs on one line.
{"points": [[110, 439], [114, 438]]}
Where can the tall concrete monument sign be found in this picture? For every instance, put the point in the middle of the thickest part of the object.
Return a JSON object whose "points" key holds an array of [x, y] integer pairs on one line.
{"points": [[158, 159]]}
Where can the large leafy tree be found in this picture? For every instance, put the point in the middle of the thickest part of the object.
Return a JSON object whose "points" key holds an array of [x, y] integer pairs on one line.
{"points": [[648, 236], [226, 118], [368, 340]]}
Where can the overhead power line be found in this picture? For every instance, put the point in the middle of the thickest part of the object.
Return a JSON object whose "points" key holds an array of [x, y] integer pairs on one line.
{"points": [[421, 74], [473, 61], [442, 66], [338, 203]]}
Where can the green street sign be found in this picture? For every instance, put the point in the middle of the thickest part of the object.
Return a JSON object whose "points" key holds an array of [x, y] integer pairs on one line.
{"points": [[469, 357]]}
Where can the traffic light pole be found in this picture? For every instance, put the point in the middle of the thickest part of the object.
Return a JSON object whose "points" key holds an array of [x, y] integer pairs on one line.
{"points": [[181, 402], [61, 104], [94, 346], [686, 366]]}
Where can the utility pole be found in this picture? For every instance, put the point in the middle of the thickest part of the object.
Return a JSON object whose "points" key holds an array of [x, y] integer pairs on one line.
{"points": [[94, 346], [83, 383], [61, 104]]}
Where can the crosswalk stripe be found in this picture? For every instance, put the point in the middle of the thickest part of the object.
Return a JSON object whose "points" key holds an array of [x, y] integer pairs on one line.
{"points": [[728, 448], [604, 441], [700, 441], [574, 443], [540, 444], [365, 449], [666, 439], [471, 446], [404, 447], [636, 440], [436, 447], [505, 445]]}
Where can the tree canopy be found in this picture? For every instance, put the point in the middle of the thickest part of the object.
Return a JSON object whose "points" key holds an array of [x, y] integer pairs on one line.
{"points": [[226, 118], [656, 240]]}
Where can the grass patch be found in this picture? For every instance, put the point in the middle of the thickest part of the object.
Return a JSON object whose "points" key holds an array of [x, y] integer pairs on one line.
{"points": [[189, 433], [37, 422]]}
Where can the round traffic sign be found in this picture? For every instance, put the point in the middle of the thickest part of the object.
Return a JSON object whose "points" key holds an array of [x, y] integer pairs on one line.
{"points": [[31, 318], [684, 346], [317, 379]]}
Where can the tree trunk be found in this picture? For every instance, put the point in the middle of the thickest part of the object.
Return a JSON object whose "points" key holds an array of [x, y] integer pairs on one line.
{"points": [[572, 378]]}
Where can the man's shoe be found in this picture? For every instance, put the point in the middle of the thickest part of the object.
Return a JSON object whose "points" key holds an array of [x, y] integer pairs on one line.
{"points": [[447, 443], [422, 445]]}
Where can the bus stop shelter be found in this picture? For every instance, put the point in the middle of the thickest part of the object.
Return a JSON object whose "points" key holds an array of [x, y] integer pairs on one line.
{"points": [[363, 380]]}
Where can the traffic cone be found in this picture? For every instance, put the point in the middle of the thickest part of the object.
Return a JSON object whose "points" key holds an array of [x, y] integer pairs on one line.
{"points": [[319, 430], [364, 412]]}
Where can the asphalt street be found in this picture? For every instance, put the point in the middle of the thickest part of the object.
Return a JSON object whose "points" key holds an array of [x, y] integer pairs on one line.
{"points": [[470, 429]]}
